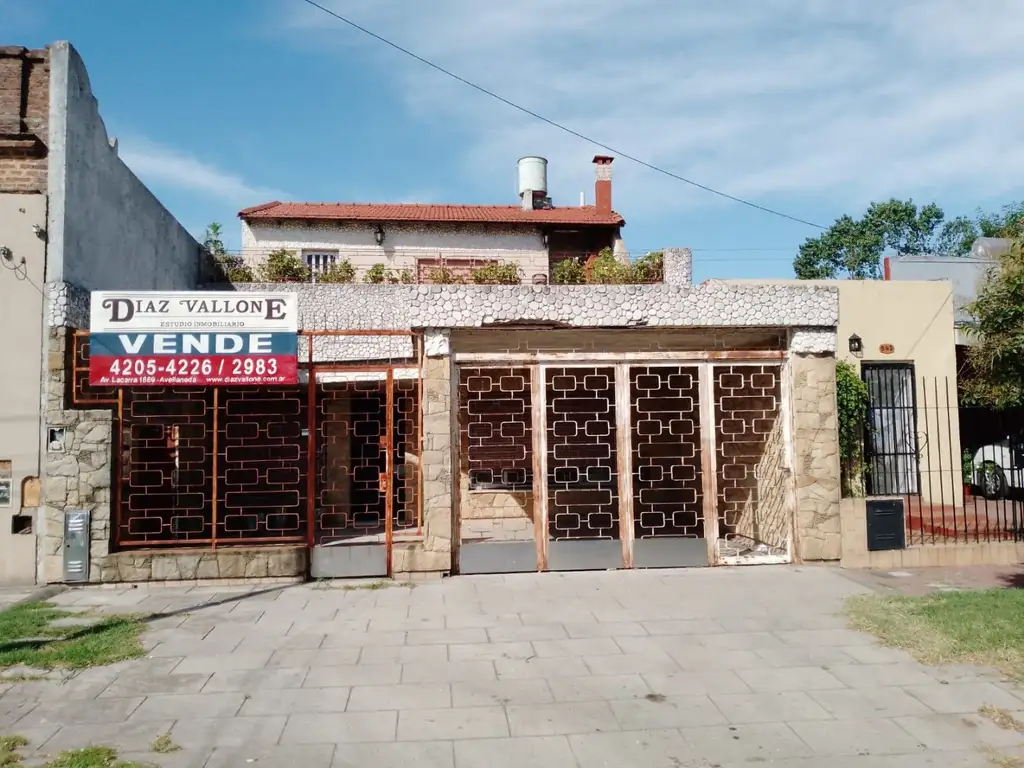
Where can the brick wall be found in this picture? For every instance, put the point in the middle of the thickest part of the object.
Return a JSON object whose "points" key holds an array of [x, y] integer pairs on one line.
{"points": [[24, 118]]}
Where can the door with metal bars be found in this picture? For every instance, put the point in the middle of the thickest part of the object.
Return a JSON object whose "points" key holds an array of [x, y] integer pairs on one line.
{"points": [[891, 450], [366, 481]]}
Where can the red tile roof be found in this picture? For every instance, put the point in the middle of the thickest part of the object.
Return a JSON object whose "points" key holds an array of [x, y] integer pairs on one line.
{"points": [[385, 212]]}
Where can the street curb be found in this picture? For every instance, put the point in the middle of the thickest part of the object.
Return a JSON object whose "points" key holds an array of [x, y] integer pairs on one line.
{"points": [[43, 593]]}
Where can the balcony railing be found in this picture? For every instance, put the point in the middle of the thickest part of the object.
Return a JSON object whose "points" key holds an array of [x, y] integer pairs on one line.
{"points": [[430, 266]]}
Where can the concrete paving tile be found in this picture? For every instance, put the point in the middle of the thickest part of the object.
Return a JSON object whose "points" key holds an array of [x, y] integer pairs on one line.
{"points": [[592, 646], [742, 708], [209, 664], [631, 663], [295, 701], [403, 654], [642, 749], [869, 703], [693, 682], [816, 638], [789, 679], [526, 633], [490, 651], [804, 657], [292, 642], [446, 636], [459, 723], [315, 658], [555, 615], [448, 672], [856, 737], [707, 658], [183, 648], [604, 629], [666, 712], [951, 733], [354, 674], [340, 727], [428, 754], [405, 623], [75, 712], [739, 641], [561, 718], [547, 668], [400, 697], [130, 736], [876, 654], [683, 627], [195, 733], [598, 687], [756, 743], [250, 680], [534, 751], [880, 675], [188, 706], [151, 685], [481, 621], [364, 639], [485, 693], [300, 756], [962, 698]]}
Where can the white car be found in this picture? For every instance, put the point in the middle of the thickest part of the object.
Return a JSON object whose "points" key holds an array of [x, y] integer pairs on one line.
{"points": [[999, 467]]}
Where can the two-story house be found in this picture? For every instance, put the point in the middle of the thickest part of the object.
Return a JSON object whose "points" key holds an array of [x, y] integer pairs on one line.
{"points": [[415, 240]]}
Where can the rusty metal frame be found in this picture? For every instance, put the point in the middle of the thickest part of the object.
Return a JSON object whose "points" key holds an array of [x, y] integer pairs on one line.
{"points": [[414, 363]]}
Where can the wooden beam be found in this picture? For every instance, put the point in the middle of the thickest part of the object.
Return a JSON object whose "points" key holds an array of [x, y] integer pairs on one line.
{"points": [[508, 358]]}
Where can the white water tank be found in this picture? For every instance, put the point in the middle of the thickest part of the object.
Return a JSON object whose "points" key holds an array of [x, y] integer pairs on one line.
{"points": [[533, 175]]}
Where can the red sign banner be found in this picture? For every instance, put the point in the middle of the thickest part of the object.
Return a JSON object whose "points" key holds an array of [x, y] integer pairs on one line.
{"points": [[193, 339]]}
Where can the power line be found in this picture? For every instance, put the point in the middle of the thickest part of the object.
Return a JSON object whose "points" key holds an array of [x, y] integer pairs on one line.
{"points": [[559, 126]]}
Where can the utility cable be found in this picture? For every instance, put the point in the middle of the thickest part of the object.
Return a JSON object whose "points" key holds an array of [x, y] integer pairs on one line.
{"points": [[560, 126]]}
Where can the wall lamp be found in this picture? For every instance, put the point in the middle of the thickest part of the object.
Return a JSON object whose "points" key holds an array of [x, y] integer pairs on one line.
{"points": [[378, 234], [856, 344]]}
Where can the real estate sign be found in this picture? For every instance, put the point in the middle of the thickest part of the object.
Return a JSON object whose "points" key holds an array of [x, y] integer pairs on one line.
{"points": [[151, 338]]}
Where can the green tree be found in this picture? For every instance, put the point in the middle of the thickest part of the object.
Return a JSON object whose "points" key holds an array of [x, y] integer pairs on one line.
{"points": [[958, 234], [226, 266], [854, 247], [996, 360]]}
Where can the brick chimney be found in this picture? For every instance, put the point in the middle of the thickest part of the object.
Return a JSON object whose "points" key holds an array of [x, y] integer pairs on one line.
{"points": [[603, 182]]}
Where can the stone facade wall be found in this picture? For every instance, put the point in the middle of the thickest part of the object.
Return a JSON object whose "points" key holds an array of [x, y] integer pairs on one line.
{"points": [[274, 562], [678, 266], [767, 521], [502, 516], [79, 477], [433, 553], [816, 448], [400, 307]]}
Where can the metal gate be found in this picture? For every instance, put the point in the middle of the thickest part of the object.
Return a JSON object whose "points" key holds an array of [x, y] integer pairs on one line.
{"points": [[366, 432], [620, 465]]}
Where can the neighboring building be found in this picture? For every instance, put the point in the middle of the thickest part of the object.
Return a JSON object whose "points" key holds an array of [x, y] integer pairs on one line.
{"points": [[73, 218], [419, 238], [964, 273]]}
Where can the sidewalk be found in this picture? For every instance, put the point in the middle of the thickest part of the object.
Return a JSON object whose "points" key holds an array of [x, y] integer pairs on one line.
{"points": [[724, 667]]}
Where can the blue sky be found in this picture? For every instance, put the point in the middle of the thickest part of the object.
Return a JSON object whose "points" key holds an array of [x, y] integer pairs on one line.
{"points": [[815, 108]]}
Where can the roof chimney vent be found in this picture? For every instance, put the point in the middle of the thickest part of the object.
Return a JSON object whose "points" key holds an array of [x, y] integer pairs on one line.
{"points": [[533, 182], [603, 183]]}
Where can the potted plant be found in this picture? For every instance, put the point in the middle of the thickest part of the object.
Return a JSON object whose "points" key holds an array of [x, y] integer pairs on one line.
{"points": [[967, 468]]}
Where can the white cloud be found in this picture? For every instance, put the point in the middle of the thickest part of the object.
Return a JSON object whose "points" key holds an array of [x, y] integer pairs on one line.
{"points": [[769, 99], [160, 165]]}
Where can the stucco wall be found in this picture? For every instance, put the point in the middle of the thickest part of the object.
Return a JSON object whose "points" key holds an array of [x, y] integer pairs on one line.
{"points": [[106, 229], [21, 315], [403, 243], [916, 318]]}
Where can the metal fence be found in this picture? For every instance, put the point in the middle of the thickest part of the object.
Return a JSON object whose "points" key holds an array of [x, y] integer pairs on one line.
{"points": [[216, 466], [958, 470]]}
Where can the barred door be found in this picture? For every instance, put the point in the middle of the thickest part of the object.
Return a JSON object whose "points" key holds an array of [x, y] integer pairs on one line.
{"points": [[367, 469]]}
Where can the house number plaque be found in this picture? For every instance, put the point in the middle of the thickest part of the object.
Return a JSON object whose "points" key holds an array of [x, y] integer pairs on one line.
{"points": [[886, 349]]}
